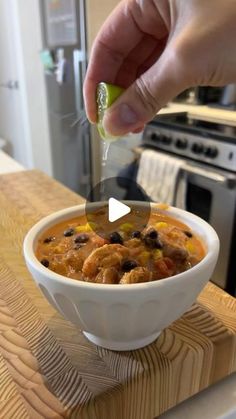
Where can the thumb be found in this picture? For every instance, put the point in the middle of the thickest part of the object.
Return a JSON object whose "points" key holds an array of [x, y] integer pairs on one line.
{"points": [[146, 96]]}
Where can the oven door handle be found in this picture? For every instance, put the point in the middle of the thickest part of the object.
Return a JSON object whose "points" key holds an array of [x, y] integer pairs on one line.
{"points": [[227, 180]]}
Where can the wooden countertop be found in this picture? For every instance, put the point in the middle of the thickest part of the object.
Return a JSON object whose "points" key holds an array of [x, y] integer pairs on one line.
{"points": [[47, 367]]}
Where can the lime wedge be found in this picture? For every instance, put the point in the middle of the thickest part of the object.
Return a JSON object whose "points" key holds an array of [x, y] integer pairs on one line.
{"points": [[106, 96]]}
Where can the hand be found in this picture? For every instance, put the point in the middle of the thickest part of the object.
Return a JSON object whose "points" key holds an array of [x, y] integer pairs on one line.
{"points": [[156, 49]]}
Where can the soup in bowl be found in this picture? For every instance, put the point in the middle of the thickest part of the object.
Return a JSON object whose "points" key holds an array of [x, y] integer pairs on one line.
{"points": [[121, 283]]}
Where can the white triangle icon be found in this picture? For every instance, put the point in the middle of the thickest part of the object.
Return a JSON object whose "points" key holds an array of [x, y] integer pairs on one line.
{"points": [[117, 209]]}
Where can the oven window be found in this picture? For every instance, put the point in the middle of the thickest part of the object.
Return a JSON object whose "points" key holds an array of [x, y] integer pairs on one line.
{"points": [[199, 201]]}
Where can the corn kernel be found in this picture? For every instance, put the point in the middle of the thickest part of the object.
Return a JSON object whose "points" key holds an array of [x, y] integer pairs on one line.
{"points": [[157, 254], [80, 229], [86, 228], [162, 224], [144, 257], [126, 227], [190, 247]]}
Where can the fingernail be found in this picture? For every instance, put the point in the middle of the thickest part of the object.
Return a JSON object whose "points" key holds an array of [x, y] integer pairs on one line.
{"points": [[122, 117]]}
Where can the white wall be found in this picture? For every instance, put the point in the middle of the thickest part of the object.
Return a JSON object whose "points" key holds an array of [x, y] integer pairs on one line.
{"points": [[34, 102], [97, 12], [12, 127]]}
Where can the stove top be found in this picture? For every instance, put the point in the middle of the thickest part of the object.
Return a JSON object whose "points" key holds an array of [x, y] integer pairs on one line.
{"points": [[206, 128], [208, 142]]}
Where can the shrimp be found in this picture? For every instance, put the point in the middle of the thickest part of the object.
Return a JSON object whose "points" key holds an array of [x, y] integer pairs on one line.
{"points": [[174, 252], [137, 275], [107, 256], [174, 242], [133, 243], [74, 260], [107, 276]]}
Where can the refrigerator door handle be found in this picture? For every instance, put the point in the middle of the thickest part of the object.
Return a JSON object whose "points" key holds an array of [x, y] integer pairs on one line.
{"points": [[79, 60], [83, 130]]}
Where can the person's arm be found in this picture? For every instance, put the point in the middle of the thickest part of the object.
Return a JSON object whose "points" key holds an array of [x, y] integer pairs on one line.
{"points": [[156, 49]]}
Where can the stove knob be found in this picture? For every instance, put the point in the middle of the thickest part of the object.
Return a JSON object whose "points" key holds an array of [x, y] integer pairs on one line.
{"points": [[166, 139], [181, 143], [154, 137], [197, 148], [211, 152]]}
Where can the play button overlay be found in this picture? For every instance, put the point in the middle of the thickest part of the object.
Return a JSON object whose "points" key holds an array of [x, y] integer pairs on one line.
{"points": [[117, 204], [117, 210]]}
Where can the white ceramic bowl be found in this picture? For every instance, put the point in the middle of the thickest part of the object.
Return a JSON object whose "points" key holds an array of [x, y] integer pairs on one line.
{"points": [[123, 317]]}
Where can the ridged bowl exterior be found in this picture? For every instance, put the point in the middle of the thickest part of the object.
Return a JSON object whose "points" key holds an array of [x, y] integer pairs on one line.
{"points": [[123, 317]]}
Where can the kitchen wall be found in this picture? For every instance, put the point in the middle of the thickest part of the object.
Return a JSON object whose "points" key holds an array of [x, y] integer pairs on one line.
{"points": [[24, 108], [34, 85], [98, 12], [32, 82]]}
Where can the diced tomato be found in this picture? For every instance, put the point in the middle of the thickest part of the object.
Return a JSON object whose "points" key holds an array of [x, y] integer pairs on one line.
{"points": [[169, 263], [165, 266]]}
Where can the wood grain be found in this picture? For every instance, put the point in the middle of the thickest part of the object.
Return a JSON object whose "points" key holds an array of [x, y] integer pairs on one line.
{"points": [[49, 370]]}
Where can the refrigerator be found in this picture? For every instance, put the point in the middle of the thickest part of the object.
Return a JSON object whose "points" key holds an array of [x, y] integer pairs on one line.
{"points": [[68, 29]]}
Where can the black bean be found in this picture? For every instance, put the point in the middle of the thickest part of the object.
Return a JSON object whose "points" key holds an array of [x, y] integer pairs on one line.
{"points": [[136, 235], [45, 263], [69, 232], [150, 242], [188, 234], [152, 234], [115, 238], [49, 239], [81, 238], [128, 265], [153, 243], [158, 244]]}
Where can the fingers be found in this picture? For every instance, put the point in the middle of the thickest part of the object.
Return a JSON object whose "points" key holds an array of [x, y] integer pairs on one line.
{"points": [[123, 31], [118, 36], [147, 95], [152, 59], [139, 55], [127, 72], [138, 130]]}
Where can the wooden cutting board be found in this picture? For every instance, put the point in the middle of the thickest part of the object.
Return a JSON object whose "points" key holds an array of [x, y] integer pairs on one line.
{"points": [[47, 367]]}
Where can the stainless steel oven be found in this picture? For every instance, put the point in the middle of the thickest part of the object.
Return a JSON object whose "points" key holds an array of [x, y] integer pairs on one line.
{"points": [[208, 177]]}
